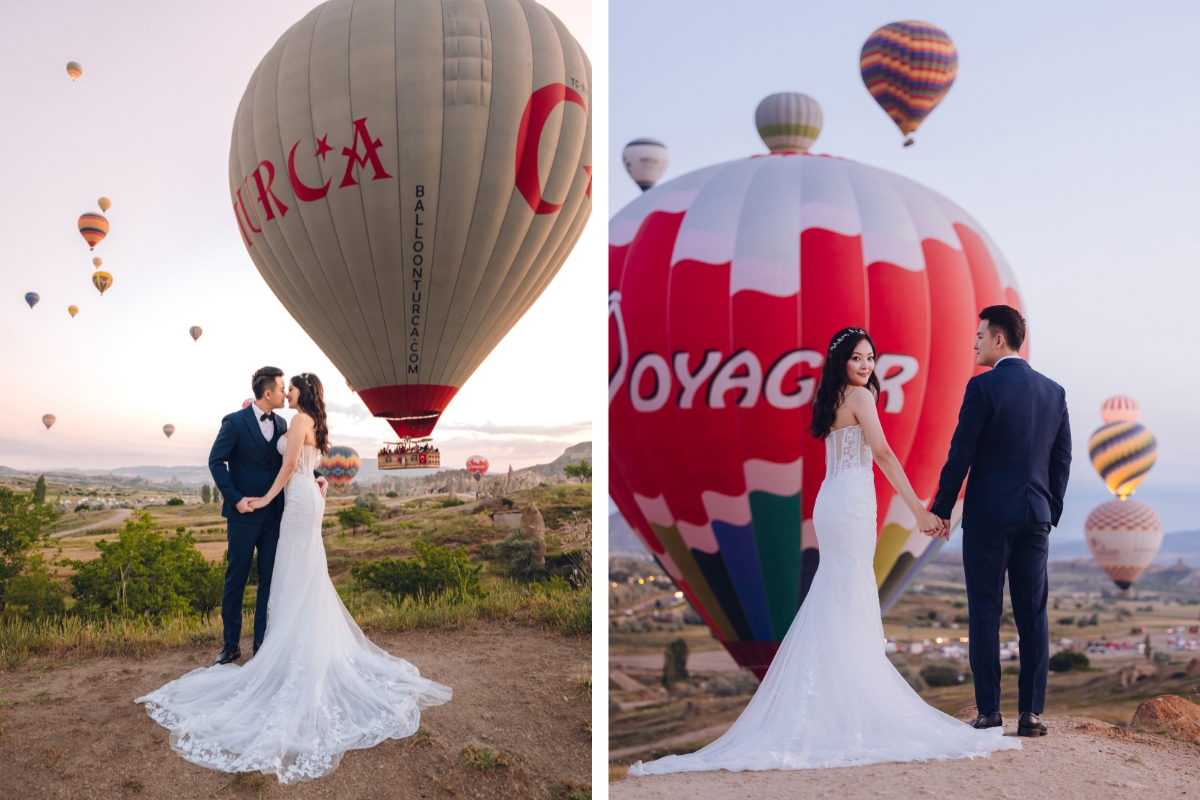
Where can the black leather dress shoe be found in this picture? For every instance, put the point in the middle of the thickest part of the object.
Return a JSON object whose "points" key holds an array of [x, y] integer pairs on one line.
{"points": [[1030, 724], [992, 720], [256, 646], [228, 655]]}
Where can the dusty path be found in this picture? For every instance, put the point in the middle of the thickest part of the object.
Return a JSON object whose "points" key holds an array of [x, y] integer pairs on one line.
{"points": [[1080, 759], [73, 731], [706, 661], [119, 516]]}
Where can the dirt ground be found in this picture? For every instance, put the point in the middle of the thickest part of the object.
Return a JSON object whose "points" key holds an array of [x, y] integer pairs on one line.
{"points": [[1080, 759], [71, 730]]}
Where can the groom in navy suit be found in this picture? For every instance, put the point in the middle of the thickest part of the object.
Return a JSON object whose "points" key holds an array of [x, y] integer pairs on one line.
{"points": [[1014, 437], [244, 462]]}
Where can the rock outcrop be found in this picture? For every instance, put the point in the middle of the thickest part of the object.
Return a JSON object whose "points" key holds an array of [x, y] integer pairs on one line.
{"points": [[534, 527], [1169, 715]]}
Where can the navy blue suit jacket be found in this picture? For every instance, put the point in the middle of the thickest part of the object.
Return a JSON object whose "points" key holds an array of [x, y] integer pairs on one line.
{"points": [[1014, 436], [244, 464]]}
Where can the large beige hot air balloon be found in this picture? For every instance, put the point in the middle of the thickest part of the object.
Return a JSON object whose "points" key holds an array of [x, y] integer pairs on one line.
{"points": [[1124, 536], [48, 420], [408, 176], [168, 430]]}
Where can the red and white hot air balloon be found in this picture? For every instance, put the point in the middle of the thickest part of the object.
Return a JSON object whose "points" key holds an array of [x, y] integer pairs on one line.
{"points": [[726, 285], [408, 176], [1124, 536], [477, 467], [1119, 408]]}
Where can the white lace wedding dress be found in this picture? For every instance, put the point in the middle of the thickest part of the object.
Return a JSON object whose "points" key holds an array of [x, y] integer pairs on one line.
{"points": [[317, 688], [831, 698]]}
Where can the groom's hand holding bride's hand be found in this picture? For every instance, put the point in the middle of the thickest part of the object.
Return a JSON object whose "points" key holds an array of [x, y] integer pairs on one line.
{"points": [[324, 484], [929, 524], [245, 505]]}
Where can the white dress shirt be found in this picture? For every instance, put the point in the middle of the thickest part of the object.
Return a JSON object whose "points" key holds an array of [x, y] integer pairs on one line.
{"points": [[1006, 357], [267, 426]]}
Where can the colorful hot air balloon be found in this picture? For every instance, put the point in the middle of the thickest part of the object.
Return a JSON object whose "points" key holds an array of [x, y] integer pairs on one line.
{"points": [[1119, 408], [1124, 536], [477, 467], [93, 227], [725, 287], [48, 420], [32, 298], [908, 67], [168, 430], [646, 160], [449, 138], [788, 122], [102, 280], [195, 331], [74, 70], [1123, 453], [104, 203], [72, 310], [339, 466]]}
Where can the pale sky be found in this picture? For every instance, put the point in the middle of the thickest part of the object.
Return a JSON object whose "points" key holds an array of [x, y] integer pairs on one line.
{"points": [[1069, 135], [148, 125]]}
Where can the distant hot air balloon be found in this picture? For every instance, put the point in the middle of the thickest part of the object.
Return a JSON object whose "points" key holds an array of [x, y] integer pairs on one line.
{"points": [[646, 160], [32, 298], [48, 420], [725, 286], [168, 430], [1119, 408], [97, 261], [788, 122], [1123, 453], [72, 310], [1124, 536], [74, 70], [247, 402], [104, 203], [477, 467], [339, 466], [449, 138], [93, 227], [195, 331], [908, 67], [102, 280]]}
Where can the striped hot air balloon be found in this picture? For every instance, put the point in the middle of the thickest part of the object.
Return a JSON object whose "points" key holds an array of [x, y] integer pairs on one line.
{"points": [[102, 280], [1123, 453], [908, 67], [788, 122], [408, 177], [1124, 536], [726, 285], [1120, 408], [339, 466], [168, 430], [93, 228], [74, 70]]}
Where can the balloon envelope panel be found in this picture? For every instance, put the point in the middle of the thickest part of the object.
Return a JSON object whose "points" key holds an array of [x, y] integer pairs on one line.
{"points": [[725, 287], [408, 177], [339, 466], [1124, 536]]}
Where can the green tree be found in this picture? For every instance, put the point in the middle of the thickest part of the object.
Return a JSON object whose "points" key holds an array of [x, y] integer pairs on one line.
{"points": [[21, 525], [39, 490], [675, 663], [216, 495], [205, 493], [175, 501], [142, 574], [354, 517], [36, 592], [582, 471]]}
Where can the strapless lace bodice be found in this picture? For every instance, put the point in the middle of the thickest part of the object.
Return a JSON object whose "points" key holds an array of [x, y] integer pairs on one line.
{"points": [[310, 456], [846, 448]]}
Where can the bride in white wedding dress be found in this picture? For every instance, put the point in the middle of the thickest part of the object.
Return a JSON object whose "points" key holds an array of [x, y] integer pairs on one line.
{"points": [[831, 698], [317, 687]]}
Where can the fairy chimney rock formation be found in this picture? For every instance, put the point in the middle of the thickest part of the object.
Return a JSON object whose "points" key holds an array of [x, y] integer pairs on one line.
{"points": [[534, 527]]}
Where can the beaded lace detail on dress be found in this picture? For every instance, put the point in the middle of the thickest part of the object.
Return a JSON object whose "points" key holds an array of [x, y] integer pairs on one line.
{"points": [[846, 448]]}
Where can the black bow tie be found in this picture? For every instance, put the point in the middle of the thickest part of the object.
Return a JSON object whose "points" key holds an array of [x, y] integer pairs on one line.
{"points": [[266, 417]]}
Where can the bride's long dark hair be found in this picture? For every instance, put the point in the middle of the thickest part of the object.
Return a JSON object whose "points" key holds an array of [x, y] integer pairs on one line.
{"points": [[312, 402], [833, 383]]}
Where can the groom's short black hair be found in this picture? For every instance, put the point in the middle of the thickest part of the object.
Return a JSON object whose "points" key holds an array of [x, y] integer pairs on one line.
{"points": [[1006, 320], [265, 379]]}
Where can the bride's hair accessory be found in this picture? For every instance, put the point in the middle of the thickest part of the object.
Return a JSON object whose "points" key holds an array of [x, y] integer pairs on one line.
{"points": [[843, 335]]}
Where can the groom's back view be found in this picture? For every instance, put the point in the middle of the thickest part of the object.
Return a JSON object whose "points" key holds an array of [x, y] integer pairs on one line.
{"points": [[1014, 437], [244, 462]]}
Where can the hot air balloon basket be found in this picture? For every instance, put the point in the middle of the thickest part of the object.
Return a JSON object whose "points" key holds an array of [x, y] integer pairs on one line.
{"points": [[410, 460]]}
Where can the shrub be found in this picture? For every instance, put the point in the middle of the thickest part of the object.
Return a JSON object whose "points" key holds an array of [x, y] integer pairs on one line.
{"points": [[432, 572], [1011, 669], [175, 501], [521, 555], [582, 471], [941, 675], [1066, 621], [739, 683], [1068, 660], [35, 592], [354, 517], [367, 500], [450, 502], [393, 495], [21, 524], [1161, 659]]}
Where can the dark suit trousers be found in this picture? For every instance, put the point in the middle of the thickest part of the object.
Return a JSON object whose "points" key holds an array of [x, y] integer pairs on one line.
{"points": [[244, 538], [988, 553]]}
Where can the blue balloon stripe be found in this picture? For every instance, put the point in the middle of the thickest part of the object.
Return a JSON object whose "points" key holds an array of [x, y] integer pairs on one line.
{"points": [[740, 553]]}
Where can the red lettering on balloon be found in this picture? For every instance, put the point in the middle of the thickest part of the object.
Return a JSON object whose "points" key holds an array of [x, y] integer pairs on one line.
{"points": [[245, 213], [360, 132], [305, 194], [588, 190], [529, 138], [241, 227], [265, 193]]}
